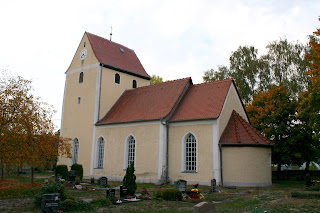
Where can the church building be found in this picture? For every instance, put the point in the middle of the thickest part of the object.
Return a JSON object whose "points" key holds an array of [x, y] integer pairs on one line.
{"points": [[169, 131]]}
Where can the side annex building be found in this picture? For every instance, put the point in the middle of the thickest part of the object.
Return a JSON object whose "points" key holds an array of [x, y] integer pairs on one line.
{"points": [[172, 130]]}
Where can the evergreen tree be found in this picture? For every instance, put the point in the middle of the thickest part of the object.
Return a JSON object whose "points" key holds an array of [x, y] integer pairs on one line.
{"points": [[129, 180]]}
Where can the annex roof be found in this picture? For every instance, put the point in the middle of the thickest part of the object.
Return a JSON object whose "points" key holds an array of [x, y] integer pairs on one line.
{"points": [[239, 132], [116, 56], [146, 103], [203, 101]]}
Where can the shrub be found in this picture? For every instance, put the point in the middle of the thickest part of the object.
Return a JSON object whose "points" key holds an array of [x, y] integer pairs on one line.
{"points": [[79, 169], [77, 180], [129, 180], [92, 180], [172, 194], [101, 201], [49, 189], [62, 170], [159, 192]]}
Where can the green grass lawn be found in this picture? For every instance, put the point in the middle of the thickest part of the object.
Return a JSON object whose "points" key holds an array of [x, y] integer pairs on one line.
{"points": [[275, 198]]}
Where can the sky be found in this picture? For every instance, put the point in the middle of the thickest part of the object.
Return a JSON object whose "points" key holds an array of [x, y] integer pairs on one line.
{"points": [[173, 39]]}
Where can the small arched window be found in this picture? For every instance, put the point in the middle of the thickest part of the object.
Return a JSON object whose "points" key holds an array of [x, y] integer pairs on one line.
{"points": [[81, 77], [134, 84], [75, 154], [117, 78], [100, 153]]}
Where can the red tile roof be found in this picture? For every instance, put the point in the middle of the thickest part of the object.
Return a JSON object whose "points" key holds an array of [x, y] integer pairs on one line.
{"points": [[146, 103], [238, 131], [110, 53], [203, 101]]}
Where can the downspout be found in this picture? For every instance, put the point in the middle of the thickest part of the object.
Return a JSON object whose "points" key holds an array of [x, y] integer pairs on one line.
{"points": [[165, 122], [221, 171], [167, 155]]}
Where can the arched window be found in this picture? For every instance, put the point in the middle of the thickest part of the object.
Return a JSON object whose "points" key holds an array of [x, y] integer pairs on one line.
{"points": [[100, 153], [81, 77], [134, 84], [75, 154], [117, 78], [130, 151], [190, 153]]}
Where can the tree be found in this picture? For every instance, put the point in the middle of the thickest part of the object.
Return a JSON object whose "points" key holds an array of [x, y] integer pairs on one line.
{"points": [[26, 132], [129, 180], [284, 64], [312, 108], [155, 80], [273, 113]]}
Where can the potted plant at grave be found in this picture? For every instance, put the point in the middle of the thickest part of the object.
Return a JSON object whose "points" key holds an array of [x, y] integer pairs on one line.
{"points": [[129, 180]]}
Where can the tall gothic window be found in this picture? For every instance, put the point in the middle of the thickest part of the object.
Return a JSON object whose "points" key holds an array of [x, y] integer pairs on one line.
{"points": [[100, 153], [190, 153], [130, 151], [75, 151]]}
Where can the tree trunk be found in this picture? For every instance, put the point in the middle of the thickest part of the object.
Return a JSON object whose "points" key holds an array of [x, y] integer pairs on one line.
{"points": [[279, 171], [2, 173], [307, 169], [32, 175]]}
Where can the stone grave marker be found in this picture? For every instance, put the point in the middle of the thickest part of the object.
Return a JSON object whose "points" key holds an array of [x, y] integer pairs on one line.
{"points": [[123, 191], [72, 176], [50, 203], [204, 207], [181, 185], [213, 185], [111, 192], [102, 181]]}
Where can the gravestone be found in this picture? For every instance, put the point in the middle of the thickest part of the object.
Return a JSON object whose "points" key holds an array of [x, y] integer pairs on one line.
{"points": [[204, 207], [103, 181], [50, 203], [213, 185], [181, 185], [111, 192], [123, 191], [72, 175]]}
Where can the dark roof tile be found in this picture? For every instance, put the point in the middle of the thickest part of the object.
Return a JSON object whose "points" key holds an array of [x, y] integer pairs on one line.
{"points": [[109, 53], [239, 131]]}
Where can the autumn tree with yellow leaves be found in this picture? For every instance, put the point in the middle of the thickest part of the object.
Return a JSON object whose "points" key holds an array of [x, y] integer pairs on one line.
{"points": [[26, 129]]}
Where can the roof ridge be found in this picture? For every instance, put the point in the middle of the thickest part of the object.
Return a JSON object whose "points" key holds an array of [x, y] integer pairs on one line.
{"points": [[109, 40], [159, 84], [215, 82], [247, 125]]}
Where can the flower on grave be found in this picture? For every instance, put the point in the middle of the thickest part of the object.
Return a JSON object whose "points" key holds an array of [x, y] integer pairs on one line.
{"points": [[144, 191], [315, 181], [193, 194], [195, 190], [59, 210], [62, 180]]}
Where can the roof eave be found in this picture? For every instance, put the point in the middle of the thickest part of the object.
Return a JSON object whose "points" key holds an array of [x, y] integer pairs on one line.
{"points": [[124, 71], [246, 144], [198, 119], [128, 122]]}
